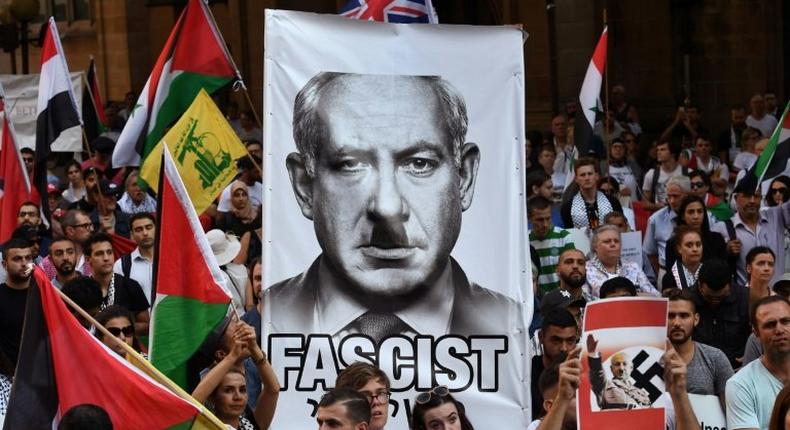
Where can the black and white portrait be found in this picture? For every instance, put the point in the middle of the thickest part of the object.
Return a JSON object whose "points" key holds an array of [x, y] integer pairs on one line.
{"points": [[384, 172]]}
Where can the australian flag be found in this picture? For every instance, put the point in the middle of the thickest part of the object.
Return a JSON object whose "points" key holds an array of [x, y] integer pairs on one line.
{"points": [[394, 11]]}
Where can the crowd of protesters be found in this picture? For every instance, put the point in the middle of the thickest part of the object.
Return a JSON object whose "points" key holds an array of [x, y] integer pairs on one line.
{"points": [[717, 251]]}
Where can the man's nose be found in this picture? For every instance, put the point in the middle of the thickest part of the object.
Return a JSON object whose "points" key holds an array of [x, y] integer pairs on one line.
{"points": [[387, 200]]}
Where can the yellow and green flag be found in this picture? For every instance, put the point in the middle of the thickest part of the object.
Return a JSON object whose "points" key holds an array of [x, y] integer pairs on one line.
{"points": [[204, 148]]}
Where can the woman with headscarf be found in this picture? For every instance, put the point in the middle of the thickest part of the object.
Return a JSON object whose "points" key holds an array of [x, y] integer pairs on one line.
{"points": [[243, 215]]}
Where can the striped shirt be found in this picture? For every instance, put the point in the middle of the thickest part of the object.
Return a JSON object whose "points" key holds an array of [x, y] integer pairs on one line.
{"points": [[549, 249]]}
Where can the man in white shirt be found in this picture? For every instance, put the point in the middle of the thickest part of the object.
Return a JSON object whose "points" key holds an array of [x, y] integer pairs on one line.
{"points": [[140, 263], [759, 118], [654, 189]]}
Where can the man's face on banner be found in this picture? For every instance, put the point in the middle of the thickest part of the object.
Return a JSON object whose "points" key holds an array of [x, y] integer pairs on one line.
{"points": [[386, 195], [621, 368]]}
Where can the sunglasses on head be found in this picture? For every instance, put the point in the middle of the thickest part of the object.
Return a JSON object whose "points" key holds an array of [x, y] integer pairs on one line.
{"points": [[426, 396], [127, 331]]}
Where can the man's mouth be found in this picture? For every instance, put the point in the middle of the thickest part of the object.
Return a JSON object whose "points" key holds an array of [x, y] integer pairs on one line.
{"points": [[381, 253]]}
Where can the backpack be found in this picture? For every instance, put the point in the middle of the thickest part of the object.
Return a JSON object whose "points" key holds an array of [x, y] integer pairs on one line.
{"points": [[656, 173]]}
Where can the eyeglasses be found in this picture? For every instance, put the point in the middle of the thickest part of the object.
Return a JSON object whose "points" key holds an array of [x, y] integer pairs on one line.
{"points": [[697, 185], [426, 397], [127, 331], [781, 191], [382, 397]]}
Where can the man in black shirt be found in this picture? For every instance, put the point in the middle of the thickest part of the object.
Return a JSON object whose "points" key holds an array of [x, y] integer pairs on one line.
{"points": [[17, 255], [558, 335], [116, 289], [723, 309]]}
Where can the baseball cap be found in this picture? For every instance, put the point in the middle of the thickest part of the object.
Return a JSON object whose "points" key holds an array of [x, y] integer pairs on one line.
{"points": [[559, 298], [109, 188], [782, 286], [52, 189]]}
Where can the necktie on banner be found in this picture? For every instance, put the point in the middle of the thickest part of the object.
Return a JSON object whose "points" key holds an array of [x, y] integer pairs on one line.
{"points": [[392, 11], [195, 57], [204, 148]]}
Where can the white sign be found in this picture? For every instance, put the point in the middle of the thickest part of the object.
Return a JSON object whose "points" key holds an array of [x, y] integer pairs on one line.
{"points": [[708, 411], [21, 101], [392, 234], [631, 247]]}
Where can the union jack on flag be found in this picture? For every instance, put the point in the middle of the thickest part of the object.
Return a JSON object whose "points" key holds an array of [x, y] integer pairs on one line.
{"points": [[394, 11]]}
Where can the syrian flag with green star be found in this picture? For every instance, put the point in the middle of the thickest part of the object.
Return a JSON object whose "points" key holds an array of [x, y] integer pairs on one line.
{"points": [[773, 161], [194, 57], [62, 365], [588, 97], [192, 298]]}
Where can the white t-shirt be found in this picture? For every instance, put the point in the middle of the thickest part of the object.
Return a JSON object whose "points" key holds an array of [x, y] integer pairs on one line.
{"points": [[625, 176], [256, 197], [766, 125], [661, 187], [744, 161]]}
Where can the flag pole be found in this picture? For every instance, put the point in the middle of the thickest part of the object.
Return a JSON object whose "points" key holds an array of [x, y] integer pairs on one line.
{"points": [[150, 370], [607, 143]]}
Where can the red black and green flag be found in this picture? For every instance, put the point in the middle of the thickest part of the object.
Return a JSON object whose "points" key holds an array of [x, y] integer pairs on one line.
{"points": [[93, 117], [773, 161], [62, 365]]}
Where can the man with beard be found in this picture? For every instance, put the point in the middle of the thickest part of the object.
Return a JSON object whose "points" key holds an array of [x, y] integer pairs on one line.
{"points": [[572, 270], [708, 367], [77, 227], [752, 391], [752, 227], [558, 335], [729, 143], [139, 264], [17, 256], [63, 254]]}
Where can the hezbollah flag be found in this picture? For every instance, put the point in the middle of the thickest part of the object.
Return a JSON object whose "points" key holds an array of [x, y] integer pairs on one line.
{"points": [[62, 365], [194, 58], [774, 159], [191, 295], [204, 148]]}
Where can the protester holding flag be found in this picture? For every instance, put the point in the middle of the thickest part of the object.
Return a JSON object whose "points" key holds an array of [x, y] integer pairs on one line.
{"points": [[224, 388]]}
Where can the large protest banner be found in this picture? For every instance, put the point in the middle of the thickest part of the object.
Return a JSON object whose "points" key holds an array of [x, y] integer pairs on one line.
{"points": [[21, 103], [393, 233], [622, 378]]}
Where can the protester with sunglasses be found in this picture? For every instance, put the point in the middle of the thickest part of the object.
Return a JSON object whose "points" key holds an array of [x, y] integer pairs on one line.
{"points": [[120, 323], [701, 186], [438, 409], [778, 191]]}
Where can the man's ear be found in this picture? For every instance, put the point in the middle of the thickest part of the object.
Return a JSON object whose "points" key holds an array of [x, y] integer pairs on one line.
{"points": [[362, 426], [301, 182], [470, 162], [547, 404]]}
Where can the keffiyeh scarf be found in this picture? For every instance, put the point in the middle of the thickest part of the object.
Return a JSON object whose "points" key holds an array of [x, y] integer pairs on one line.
{"points": [[683, 278], [582, 217]]}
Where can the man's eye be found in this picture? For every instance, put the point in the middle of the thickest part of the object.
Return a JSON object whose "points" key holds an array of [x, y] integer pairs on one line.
{"points": [[420, 165], [349, 165]]}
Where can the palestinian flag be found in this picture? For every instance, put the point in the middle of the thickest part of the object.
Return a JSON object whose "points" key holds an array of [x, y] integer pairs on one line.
{"points": [[588, 97], [14, 183], [194, 57], [773, 161], [57, 110], [191, 296], [61, 365], [92, 107]]}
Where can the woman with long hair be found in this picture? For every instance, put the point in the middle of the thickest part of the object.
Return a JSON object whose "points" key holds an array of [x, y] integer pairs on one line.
{"points": [[120, 323], [684, 271], [76, 189], [692, 212], [438, 409], [780, 418]]}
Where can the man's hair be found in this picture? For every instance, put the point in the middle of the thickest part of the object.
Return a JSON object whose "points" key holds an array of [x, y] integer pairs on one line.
{"points": [[27, 150], [357, 405], [57, 239], [612, 215], [84, 291], [85, 416], [133, 175], [249, 142], [702, 175], [683, 182], [142, 215], [112, 312], [358, 374], [245, 163], [536, 178], [537, 203], [715, 274], [757, 250], [704, 136], [310, 132], [618, 283], [15, 243], [676, 294], [70, 218], [94, 239], [674, 147], [29, 203], [764, 302], [557, 317], [547, 147], [586, 161]]}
